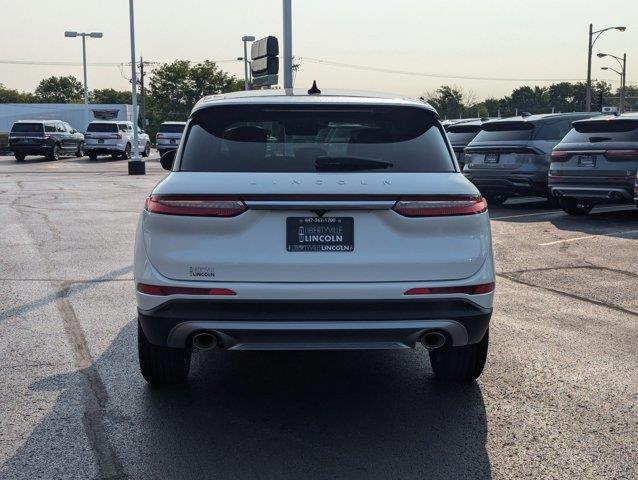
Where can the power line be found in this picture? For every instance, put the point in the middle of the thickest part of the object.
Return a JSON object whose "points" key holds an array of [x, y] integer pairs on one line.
{"points": [[94, 64], [432, 75]]}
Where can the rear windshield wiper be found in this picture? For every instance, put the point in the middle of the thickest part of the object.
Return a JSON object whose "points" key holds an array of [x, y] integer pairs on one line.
{"points": [[338, 164], [599, 139]]}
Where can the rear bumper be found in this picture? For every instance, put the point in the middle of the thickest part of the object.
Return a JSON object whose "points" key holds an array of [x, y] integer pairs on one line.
{"points": [[242, 325], [104, 149], [508, 182], [599, 191], [31, 149]]}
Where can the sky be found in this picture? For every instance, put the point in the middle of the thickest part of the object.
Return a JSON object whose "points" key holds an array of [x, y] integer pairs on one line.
{"points": [[520, 40]]}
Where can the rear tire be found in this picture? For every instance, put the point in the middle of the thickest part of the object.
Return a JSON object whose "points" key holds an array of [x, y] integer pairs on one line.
{"points": [[126, 154], [147, 150], [495, 198], [55, 153], [20, 157], [573, 206], [460, 364], [92, 156], [162, 365], [80, 151]]}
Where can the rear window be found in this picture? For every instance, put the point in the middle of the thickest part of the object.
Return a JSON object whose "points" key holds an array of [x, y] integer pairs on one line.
{"points": [[171, 128], [505, 132], [310, 138], [603, 131], [102, 127], [462, 134], [27, 128]]}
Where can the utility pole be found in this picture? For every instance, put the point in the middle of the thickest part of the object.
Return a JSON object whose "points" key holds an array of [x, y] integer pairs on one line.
{"points": [[287, 14], [624, 83], [142, 94], [135, 165]]}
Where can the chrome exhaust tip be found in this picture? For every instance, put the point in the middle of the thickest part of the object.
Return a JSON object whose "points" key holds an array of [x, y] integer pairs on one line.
{"points": [[433, 340], [205, 341]]}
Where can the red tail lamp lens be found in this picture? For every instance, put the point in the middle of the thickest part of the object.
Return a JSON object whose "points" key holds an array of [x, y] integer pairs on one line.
{"points": [[467, 289], [199, 206], [440, 206], [163, 291]]}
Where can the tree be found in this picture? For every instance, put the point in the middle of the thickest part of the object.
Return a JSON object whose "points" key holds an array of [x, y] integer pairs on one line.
{"points": [[174, 88], [59, 90], [110, 95], [9, 95], [448, 101]]}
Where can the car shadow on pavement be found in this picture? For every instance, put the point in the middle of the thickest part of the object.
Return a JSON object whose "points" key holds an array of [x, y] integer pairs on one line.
{"points": [[258, 415]]}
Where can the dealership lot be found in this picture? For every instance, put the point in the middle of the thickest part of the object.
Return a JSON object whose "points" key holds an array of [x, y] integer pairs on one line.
{"points": [[557, 399]]}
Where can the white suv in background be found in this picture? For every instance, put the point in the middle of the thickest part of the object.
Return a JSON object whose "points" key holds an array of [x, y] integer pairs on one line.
{"points": [[114, 138], [169, 134], [294, 221]]}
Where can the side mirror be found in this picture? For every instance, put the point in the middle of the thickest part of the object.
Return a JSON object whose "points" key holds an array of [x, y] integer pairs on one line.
{"points": [[167, 159], [73, 130]]}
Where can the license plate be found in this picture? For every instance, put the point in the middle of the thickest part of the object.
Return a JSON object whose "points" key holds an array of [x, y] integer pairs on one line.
{"points": [[491, 158], [100, 140], [586, 161], [320, 234]]}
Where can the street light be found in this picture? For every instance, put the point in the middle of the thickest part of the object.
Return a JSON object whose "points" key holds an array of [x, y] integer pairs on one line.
{"points": [[590, 48], [246, 39], [86, 88], [623, 76]]}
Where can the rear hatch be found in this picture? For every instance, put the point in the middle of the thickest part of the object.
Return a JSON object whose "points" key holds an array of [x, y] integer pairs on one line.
{"points": [[596, 152], [283, 203], [504, 146], [169, 134], [102, 133]]}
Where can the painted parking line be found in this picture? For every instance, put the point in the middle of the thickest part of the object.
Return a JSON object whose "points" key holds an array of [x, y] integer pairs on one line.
{"points": [[560, 212], [587, 237]]}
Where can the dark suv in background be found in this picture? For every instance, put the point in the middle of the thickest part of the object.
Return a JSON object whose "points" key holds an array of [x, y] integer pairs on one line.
{"points": [[51, 138], [596, 163], [461, 133], [511, 156]]}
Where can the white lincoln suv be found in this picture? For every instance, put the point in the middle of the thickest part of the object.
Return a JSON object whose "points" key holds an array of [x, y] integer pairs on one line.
{"points": [[313, 221]]}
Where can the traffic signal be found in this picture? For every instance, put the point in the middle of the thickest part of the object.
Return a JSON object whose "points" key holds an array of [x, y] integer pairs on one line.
{"points": [[599, 101]]}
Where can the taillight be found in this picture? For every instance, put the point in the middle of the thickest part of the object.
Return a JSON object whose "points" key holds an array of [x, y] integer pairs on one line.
{"points": [[559, 156], [440, 206], [116, 135], [200, 206], [621, 154], [163, 291], [159, 135], [467, 289]]}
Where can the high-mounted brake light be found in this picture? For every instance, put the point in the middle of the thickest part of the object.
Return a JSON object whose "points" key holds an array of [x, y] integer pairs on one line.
{"points": [[621, 154], [163, 291], [467, 289], [440, 206], [199, 206]]}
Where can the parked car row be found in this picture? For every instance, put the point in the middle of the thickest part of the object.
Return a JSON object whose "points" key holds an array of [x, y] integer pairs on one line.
{"points": [[55, 138], [576, 160]]}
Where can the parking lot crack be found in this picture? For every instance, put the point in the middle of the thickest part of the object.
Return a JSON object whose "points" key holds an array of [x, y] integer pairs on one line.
{"points": [[517, 279], [95, 395]]}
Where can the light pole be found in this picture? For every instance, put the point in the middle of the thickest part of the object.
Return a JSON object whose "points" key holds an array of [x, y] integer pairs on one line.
{"points": [[287, 14], [590, 48], [246, 39], [623, 76], [135, 165], [86, 88]]}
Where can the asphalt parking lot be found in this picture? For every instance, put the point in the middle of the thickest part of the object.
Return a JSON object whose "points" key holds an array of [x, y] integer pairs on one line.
{"points": [[558, 397]]}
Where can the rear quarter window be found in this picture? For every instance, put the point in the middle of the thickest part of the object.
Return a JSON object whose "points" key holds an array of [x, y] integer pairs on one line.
{"points": [[297, 138]]}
